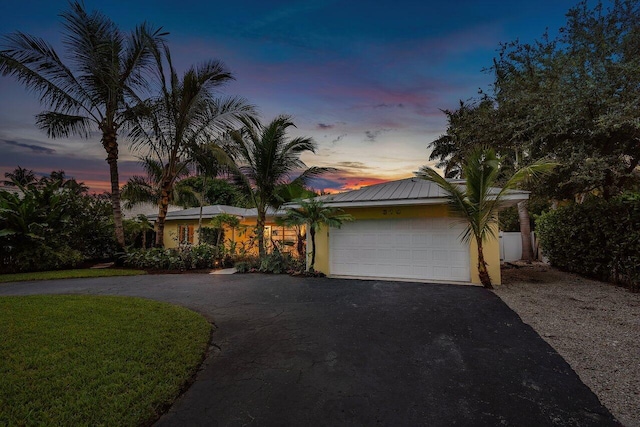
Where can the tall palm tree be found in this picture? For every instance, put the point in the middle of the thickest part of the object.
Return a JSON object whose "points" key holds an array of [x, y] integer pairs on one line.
{"points": [[185, 115], [314, 213], [19, 176], [106, 69], [264, 159], [146, 189], [477, 202]]}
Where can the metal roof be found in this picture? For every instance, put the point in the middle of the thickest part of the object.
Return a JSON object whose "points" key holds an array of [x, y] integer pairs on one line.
{"points": [[215, 210], [405, 191]]}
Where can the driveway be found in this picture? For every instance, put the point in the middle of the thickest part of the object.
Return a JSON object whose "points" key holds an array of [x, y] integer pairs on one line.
{"points": [[292, 351]]}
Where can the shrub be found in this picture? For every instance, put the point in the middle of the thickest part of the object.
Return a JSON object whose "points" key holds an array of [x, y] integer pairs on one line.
{"points": [[280, 262], [186, 258], [598, 238]]}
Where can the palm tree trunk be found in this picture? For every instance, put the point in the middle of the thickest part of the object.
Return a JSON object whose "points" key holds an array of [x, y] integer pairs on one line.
{"points": [[260, 233], [163, 207], [313, 248], [525, 232], [482, 267], [110, 144], [204, 182]]}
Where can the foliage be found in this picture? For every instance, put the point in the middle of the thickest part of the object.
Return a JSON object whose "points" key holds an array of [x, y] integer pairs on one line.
{"points": [[277, 262], [212, 236], [136, 231], [53, 224], [185, 258], [95, 360], [105, 67], [575, 98], [314, 214], [262, 159], [216, 191], [509, 220], [476, 203], [186, 115], [247, 264], [598, 238], [68, 274]]}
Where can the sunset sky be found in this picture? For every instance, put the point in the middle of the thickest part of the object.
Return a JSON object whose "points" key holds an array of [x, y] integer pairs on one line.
{"points": [[365, 79]]}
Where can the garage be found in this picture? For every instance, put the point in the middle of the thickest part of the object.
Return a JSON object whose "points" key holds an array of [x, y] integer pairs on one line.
{"points": [[400, 248], [402, 230]]}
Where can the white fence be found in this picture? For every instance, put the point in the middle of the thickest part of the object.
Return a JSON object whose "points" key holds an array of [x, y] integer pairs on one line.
{"points": [[511, 246]]}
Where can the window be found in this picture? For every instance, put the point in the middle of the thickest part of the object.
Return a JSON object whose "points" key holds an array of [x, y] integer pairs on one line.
{"points": [[185, 234]]}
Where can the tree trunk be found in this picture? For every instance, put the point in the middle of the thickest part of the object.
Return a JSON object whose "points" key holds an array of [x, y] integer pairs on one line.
{"points": [[482, 267], [525, 232], [204, 182], [110, 144], [312, 231], [163, 207], [260, 234]]}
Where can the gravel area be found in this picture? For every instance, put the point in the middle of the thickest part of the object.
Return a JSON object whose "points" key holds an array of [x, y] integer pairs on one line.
{"points": [[595, 326]]}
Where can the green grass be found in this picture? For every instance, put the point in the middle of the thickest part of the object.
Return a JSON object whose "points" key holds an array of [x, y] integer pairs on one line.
{"points": [[94, 360], [68, 274]]}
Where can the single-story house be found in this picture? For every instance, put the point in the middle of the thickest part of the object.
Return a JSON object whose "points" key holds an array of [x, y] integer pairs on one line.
{"points": [[181, 227], [403, 230]]}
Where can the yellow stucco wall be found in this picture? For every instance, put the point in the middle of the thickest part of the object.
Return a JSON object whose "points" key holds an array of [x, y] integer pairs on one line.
{"points": [[491, 248], [241, 235]]}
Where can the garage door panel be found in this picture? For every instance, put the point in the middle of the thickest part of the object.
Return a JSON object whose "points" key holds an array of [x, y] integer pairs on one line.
{"points": [[400, 248]]}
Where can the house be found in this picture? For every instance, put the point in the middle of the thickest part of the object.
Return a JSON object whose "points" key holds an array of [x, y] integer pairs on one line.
{"points": [[181, 227], [403, 230]]}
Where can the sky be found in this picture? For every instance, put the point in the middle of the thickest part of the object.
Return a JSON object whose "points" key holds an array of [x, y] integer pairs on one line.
{"points": [[366, 80]]}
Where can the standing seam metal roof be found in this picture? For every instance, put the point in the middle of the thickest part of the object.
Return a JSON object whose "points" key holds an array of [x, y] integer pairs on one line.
{"points": [[404, 189]]}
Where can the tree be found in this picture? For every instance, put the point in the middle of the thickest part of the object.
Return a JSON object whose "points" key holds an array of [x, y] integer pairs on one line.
{"points": [[19, 176], [53, 223], [478, 202], [184, 116], [263, 158], [106, 67], [314, 213], [146, 189], [574, 98]]}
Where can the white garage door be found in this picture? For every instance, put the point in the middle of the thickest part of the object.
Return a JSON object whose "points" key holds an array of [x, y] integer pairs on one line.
{"points": [[417, 248]]}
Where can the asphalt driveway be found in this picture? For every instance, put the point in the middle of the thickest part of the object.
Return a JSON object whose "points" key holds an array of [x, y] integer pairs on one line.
{"points": [[293, 351]]}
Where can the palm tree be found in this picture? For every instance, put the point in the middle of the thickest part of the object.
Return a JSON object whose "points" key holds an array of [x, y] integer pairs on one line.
{"points": [[314, 213], [477, 202], [263, 160], [106, 67], [146, 189], [185, 116], [19, 176]]}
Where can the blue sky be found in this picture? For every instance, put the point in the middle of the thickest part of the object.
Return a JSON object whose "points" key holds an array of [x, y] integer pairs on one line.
{"points": [[366, 80]]}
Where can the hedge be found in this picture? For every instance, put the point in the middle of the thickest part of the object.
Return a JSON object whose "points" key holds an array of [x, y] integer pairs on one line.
{"points": [[599, 239]]}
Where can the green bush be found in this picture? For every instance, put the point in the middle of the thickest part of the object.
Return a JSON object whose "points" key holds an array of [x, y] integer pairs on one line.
{"points": [[279, 262], [185, 258], [598, 238]]}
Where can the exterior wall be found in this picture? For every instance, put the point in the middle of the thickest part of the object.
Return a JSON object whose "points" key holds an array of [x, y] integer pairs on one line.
{"points": [[491, 248], [491, 256], [241, 235]]}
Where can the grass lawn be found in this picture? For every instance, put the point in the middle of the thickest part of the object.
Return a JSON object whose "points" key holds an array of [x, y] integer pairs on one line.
{"points": [[69, 274], [94, 360]]}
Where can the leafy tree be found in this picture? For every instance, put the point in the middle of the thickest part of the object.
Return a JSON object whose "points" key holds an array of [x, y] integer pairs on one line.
{"points": [[52, 225], [478, 202], [314, 213], [184, 116], [574, 98], [215, 191], [264, 159], [105, 69], [146, 189]]}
